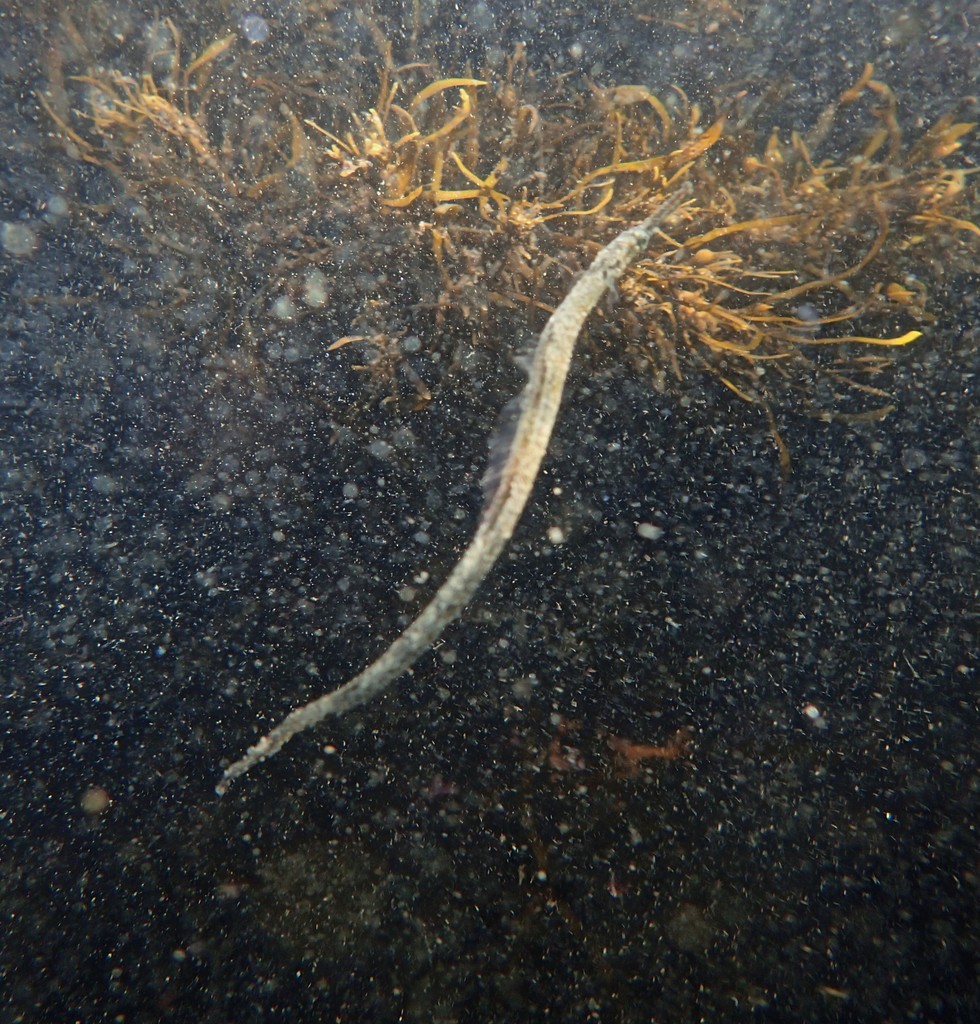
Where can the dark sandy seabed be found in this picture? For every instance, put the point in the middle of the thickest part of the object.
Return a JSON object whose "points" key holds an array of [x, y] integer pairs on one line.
{"points": [[176, 571]]}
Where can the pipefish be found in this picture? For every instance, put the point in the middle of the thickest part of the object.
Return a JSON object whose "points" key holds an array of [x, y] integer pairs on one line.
{"points": [[510, 478]]}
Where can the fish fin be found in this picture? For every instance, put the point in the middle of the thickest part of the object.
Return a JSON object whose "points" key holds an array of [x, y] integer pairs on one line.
{"points": [[499, 447]]}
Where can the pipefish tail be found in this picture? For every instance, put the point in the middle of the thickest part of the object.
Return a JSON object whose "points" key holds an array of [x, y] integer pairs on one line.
{"points": [[510, 478]]}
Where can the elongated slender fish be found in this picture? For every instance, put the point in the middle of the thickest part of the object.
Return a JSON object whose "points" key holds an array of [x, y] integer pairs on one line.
{"points": [[509, 482]]}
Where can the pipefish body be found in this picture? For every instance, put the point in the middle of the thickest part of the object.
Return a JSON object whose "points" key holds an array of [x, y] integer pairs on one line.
{"points": [[509, 481]]}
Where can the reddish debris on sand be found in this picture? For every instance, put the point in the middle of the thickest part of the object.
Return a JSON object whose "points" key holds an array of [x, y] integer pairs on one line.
{"points": [[629, 755]]}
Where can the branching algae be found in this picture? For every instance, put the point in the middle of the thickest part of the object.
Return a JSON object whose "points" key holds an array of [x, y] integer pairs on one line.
{"points": [[775, 266]]}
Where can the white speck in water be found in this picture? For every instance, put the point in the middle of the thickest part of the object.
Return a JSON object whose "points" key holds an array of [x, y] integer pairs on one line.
{"points": [[284, 308], [57, 206], [18, 239], [315, 288], [380, 450], [815, 716], [807, 312], [104, 484], [254, 28], [913, 459]]}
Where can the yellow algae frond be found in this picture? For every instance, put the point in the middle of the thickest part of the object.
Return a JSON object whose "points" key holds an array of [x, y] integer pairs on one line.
{"points": [[444, 83]]}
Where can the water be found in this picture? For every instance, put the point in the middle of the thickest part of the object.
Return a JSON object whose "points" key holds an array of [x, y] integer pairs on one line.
{"points": [[208, 518]]}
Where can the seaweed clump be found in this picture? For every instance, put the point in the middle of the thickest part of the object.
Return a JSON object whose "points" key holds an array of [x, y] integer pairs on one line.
{"points": [[437, 206]]}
